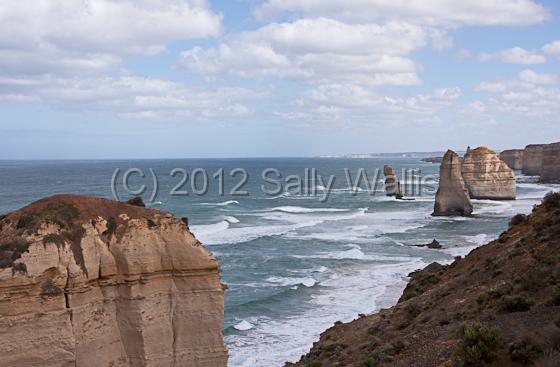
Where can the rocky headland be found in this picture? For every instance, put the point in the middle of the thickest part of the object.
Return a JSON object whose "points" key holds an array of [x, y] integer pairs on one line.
{"points": [[452, 197], [550, 168], [499, 306], [486, 176], [94, 282], [392, 184], [532, 159], [513, 158]]}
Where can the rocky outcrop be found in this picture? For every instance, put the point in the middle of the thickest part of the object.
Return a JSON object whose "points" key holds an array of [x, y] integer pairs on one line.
{"points": [[532, 159], [93, 282], [550, 171], [513, 158], [486, 176], [392, 184], [452, 197]]}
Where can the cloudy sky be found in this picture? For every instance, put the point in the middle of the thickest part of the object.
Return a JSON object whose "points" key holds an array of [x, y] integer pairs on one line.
{"points": [[238, 78]]}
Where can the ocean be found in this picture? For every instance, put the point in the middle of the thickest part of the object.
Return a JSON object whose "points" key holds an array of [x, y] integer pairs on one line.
{"points": [[294, 260]]}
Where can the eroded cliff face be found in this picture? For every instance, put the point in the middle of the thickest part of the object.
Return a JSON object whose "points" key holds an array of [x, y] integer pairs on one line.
{"points": [[532, 159], [513, 158], [551, 163], [452, 197], [486, 176], [93, 282], [392, 184]]}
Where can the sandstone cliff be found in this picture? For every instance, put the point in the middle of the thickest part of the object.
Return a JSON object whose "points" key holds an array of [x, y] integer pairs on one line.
{"points": [[392, 184], [532, 159], [550, 172], [513, 158], [499, 306], [452, 197], [486, 176], [93, 282]]}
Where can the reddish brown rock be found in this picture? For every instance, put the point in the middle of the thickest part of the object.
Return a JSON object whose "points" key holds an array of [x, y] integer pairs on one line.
{"points": [[513, 158], [94, 282], [452, 197], [550, 172], [486, 176], [532, 159]]}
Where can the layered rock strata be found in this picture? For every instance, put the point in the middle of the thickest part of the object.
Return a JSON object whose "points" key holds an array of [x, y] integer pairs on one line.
{"points": [[532, 159], [550, 172], [486, 176], [452, 197], [93, 282], [392, 184], [513, 158]]}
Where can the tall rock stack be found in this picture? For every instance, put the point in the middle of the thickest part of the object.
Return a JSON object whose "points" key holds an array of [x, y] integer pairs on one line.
{"points": [[513, 158], [392, 184], [93, 282], [452, 197], [486, 176], [550, 172], [532, 159]]}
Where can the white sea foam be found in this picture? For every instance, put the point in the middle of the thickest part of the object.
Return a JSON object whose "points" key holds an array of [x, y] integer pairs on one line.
{"points": [[299, 209], [243, 326], [292, 281], [231, 219], [225, 203]]}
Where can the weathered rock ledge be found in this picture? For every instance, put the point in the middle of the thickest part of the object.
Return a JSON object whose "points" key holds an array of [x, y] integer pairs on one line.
{"points": [[93, 282]]}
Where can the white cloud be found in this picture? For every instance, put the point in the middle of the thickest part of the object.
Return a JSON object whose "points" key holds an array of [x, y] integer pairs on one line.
{"points": [[552, 48], [448, 93], [319, 50], [515, 55], [41, 36], [529, 76], [441, 12]]}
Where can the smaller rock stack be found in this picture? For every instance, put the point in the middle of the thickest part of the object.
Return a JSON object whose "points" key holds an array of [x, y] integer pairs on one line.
{"points": [[513, 158], [392, 184], [452, 197]]}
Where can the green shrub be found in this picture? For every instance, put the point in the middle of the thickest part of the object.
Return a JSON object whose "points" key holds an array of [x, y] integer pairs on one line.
{"points": [[524, 352], [552, 200], [370, 362], [555, 297], [516, 304], [479, 344], [25, 221], [313, 364]]}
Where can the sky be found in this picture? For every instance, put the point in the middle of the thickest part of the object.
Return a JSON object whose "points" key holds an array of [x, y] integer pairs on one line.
{"points": [[100, 79]]}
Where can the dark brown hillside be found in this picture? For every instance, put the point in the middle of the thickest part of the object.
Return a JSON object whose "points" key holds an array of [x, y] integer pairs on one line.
{"points": [[499, 306]]}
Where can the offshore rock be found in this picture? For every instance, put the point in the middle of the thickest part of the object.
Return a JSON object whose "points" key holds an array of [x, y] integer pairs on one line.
{"points": [[550, 172], [486, 176], [392, 184], [94, 282], [452, 197], [532, 159], [513, 158]]}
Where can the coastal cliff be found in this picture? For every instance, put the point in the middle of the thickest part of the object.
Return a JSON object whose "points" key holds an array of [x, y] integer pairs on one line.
{"points": [[486, 176], [452, 197], [93, 282], [532, 159], [550, 172], [392, 184], [513, 158], [499, 306]]}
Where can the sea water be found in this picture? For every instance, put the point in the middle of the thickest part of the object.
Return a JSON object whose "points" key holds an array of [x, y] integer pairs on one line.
{"points": [[293, 262]]}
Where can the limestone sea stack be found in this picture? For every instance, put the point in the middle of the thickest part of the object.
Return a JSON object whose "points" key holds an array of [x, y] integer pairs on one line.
{"points": [[513, 158], [532, 159], [94, 282], [392, 184], [550, 172], [486, 176], [452, 197]]}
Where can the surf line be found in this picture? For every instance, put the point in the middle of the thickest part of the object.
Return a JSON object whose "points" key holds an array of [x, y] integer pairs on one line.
{"points": [[276, 184]]}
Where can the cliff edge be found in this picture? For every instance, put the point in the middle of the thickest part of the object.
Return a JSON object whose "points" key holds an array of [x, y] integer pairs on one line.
{"points": [[499, 306], [93, 282]]}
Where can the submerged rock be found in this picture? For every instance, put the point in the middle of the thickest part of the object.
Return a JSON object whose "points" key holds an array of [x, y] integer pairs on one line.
{"points": [[392, 184], [513, 158], [532, 159], [486, 176], [550, 172], [94, 282], [452, 197]]}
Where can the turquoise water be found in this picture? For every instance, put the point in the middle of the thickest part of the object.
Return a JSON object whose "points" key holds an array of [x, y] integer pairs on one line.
{"points": [[294, 264]]}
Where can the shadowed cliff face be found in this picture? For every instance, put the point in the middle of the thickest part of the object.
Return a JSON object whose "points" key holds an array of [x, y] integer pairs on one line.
{"points": [[93, 282], [499, 306], [452, 197], [551, 163]]}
